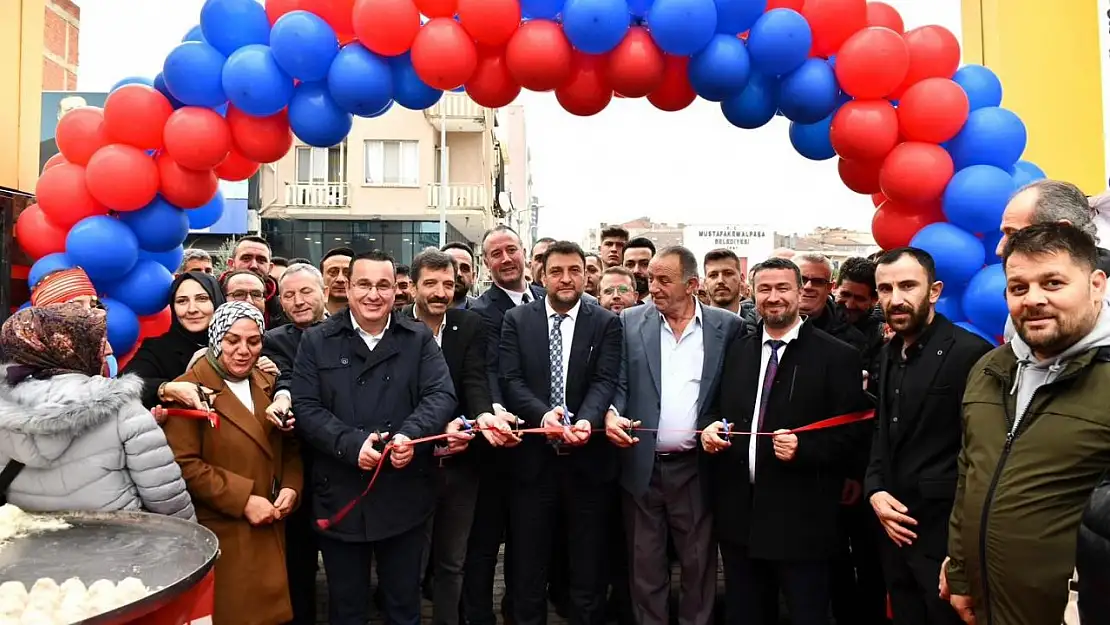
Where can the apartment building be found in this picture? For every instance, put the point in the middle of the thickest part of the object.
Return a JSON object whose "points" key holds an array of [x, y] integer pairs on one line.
{"points": [[521, 206], [61, 34], [381, 188]]}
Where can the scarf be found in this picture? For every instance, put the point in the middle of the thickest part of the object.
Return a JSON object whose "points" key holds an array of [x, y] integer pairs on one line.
{"points": [[48, 341], [61, 287], [210, 286], [222, 320]]}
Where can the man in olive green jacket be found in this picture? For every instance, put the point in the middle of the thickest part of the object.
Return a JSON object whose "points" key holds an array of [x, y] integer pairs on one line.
{"points": [[1036, 436]]}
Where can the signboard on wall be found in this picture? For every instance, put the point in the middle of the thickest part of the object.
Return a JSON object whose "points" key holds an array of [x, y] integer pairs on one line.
{"points": [[751, 243], [55, 104]]}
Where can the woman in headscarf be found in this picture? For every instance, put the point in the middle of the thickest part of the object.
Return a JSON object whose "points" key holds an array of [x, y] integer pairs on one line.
{"points": [[245, 476], [85, 441]]}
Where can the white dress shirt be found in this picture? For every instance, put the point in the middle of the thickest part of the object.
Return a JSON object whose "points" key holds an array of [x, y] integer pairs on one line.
{"points": [[567, 330], [242, 391], [438, 332], [680, 365], [765, 357], [518, 298], [371, 340]]}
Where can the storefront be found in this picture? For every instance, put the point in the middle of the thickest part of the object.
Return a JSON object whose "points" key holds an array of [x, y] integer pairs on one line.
{"points": [[312, 238]]}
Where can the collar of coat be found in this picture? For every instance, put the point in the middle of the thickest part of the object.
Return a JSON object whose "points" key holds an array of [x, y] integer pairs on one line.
{"points": [[340, 323]]}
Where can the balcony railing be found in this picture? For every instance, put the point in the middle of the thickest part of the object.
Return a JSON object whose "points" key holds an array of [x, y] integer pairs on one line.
{"points": [[460, 112], [317, 194], [460, 197]]}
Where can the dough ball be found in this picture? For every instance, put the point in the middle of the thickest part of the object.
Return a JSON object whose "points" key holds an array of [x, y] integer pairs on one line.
{"points": [[73, 585], [130, 590], [12, 605], [100, 588], [9, 620], [37, 617], [45, 585], [73, 613], [13, 589]]}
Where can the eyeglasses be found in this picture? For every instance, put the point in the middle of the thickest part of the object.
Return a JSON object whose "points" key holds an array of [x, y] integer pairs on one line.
{"points": [[620, 290], [817, 282], [242, 296]]}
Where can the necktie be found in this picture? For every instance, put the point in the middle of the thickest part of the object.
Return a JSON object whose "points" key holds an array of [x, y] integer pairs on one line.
{"points": [[555, 348], [768, 380], [525, 299]]}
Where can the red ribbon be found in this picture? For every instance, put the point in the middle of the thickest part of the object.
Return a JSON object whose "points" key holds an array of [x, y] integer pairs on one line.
{"points": [[837, 421], [161, 414]]}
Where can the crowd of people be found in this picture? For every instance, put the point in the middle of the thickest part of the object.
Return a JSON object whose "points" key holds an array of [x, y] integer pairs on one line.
{"points": [[608, 417]]}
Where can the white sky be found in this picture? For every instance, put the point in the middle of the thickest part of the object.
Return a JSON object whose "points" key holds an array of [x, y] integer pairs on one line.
{"points": [[629, 161]]}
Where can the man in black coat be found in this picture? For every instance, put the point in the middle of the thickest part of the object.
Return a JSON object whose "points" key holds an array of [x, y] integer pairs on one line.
{"points": [[362, 377], [776, 497], [567, 388], [817, 305], [911, 479], [461, 336]]}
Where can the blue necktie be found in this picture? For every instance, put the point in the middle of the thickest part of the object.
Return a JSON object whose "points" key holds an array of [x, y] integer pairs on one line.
{"points": [[768, 380]]}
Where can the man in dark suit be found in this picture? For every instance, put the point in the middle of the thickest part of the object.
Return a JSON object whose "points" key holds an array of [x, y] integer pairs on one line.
{"points": [[911, 480], [778, 528], [461, 336], [464, 263], [568, 390], [362, 377], [503, 255]]}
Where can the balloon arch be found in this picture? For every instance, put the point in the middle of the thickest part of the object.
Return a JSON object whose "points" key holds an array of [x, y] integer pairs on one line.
{"points": [[924, 137]]}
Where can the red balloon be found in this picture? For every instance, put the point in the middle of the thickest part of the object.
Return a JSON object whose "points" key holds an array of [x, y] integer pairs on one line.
{"points": [[122, 177], [443, 54], [126, 358], [833, 22], [490, 22], [877, 199], [197, 138], [275, 9], [260, 139], [895, 225], [339, 14], [64, 197], [675, 92], [934, 53], [386, 27], [491, 85], [236, 168], [134, 115], [37, 235], [635, 66], [53, 161], [539, 56], [860, 176], [80, 133], [882, 14], [864, 130], [795, 5], [872, 63], [437, 8], [186, 188], [586, 93], [916, 173], [933, 110], [156, 324]]}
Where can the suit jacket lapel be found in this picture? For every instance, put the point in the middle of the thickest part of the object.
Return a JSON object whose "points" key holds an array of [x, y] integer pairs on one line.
{"points": [[713, 345], [581, 347], [649, 332], [449, 341], [232, 411], [915, 387], [542, 335]]}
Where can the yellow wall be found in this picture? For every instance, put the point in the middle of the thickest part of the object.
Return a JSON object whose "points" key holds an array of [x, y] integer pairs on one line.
{"points": [[1047, 55], [21, 33]]}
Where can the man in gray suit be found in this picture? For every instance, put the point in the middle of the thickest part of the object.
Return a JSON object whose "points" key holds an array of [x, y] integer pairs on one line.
{"points": [[673, 349]]}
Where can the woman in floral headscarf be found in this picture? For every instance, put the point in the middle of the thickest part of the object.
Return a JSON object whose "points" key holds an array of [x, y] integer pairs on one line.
{"points": [[84, 441], [245, 475]]}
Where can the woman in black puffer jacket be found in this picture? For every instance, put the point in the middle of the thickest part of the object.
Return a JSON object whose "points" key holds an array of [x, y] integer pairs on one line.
{"points": [[1093, 557]]}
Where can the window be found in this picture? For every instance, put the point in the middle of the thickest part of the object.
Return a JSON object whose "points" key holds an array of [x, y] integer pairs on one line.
{"points": [[319, 164], [392, 163]]}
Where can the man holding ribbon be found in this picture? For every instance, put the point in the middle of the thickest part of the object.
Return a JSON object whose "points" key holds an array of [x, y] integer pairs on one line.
{"points": [[778, 528]]}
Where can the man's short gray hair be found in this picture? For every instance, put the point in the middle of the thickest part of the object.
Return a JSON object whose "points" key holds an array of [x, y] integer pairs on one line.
{"points": [[1061, 201], [194, 253], [296, 268], [815, 258]]}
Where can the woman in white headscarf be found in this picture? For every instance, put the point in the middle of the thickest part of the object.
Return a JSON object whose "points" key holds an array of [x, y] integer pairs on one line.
{"points": [[245, 476]]}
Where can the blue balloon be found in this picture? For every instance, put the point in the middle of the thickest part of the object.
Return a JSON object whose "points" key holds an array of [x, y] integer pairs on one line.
{"points": [[459, 89], [721, 70], [957, 253], [755, 105], [231, 24], [812, 140], [205, 216], [103, 246], [123, 326], [982, 87], [304, 45], [160, 85], [46, 265], [221, 109], [682, 27], [26, 304], [541, 9], [984, 300], [639, 8], [315, 117], [779, 42], [595, 26], [810, 93], [171, 260], [949, 305], [158, 226], [991, 136], [360, 81], [383, 110], [975, 197], [976, 331], [737, 16], [133, 80], [255, 83], [145, 289], [408, 90], [195, 34], [193, 73], [1025, 172]]}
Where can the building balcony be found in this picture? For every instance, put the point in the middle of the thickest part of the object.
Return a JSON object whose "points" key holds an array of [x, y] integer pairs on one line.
{"points": [[460, 113], [461, 198], [317, 194]]}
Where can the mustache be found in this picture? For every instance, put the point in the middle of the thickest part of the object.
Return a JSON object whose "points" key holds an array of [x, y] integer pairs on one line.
{"points": [[901, 308], [438, 300]]}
